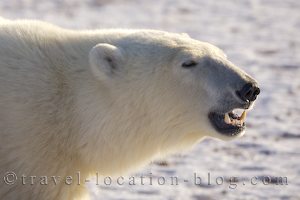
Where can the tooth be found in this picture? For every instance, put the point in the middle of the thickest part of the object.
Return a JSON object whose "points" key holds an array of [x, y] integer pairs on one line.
{"points": [[233, 121], [227, 119], [243, 116]]}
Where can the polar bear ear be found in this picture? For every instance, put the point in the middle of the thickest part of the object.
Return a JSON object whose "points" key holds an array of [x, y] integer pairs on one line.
{"points": [[105, 60], [185, 35]]}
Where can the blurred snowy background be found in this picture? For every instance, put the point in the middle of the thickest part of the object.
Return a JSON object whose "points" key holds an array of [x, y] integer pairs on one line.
{"points": [[261, 36]]}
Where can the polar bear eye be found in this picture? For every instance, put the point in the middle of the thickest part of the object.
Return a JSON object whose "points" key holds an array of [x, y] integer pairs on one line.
{"points": [[189, 64]]}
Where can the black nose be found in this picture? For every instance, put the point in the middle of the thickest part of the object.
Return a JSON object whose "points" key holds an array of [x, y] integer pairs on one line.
{"points": [[249, 92]]}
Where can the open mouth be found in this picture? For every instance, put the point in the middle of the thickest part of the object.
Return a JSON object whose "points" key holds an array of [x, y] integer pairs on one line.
{"points": [[229, 124]]}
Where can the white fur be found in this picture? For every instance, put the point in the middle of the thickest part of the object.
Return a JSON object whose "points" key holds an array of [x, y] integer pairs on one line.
{"points": [[65, 107]]}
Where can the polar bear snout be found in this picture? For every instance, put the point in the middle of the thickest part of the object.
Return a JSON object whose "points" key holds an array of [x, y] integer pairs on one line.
{"points": [[229, 120], [237, 92], [248, 92]]}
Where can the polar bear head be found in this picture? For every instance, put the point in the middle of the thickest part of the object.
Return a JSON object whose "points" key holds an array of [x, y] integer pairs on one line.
{"points": [[182, 88]]}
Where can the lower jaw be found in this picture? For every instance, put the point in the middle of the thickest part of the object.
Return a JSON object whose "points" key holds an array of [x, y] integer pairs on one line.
{"points": [[231, 131], [227, 136], [225, 129], [233, 134]]}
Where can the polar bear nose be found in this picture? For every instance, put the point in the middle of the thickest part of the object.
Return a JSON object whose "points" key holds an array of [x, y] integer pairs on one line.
{"points": [[249, 92]]}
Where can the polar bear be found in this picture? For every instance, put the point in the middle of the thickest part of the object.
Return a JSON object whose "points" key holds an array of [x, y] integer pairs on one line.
{"points": [[106, 101]]}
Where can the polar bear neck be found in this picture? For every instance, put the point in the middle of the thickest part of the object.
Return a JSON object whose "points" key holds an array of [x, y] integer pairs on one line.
{"points": [[126, 119]]}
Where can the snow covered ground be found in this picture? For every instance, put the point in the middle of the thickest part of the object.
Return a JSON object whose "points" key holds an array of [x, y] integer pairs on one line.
{"points": [[261, 36]]}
